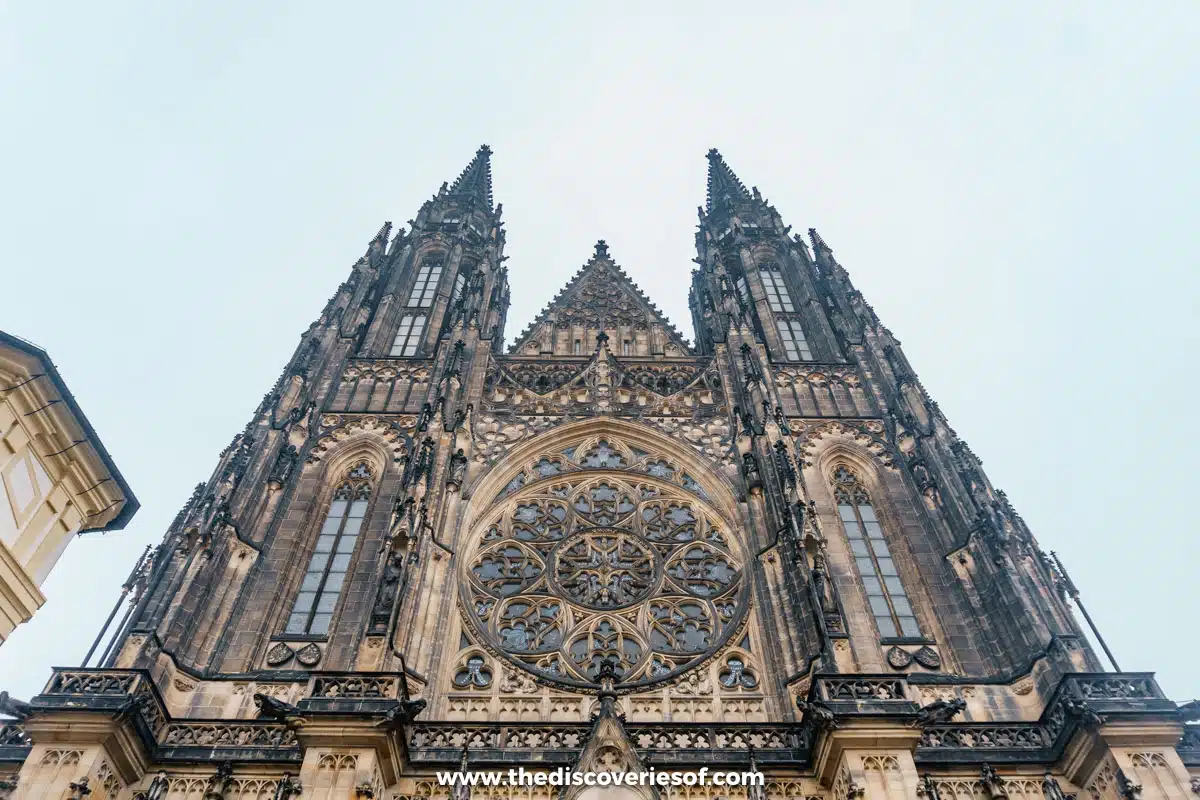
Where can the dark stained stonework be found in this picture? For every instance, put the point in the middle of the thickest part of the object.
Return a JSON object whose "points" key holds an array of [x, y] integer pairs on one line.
{"points": [[768, 544]]}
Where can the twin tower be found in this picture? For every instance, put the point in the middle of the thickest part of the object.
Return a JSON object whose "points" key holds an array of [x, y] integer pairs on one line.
{"points": [[602, 547]]}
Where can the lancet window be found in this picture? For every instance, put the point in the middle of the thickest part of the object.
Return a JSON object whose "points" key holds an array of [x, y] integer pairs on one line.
{"points": [[313, 610], [881, 579], [425, 287], [794, 343], [777, 292], [408, 335]]}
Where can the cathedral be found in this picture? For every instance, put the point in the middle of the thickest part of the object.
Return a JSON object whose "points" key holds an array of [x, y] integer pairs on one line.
{"points": [[600, 547]]}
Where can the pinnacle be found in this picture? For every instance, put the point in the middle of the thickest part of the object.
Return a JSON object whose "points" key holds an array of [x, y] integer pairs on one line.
{"points": [[723, 185], [476, 180]]}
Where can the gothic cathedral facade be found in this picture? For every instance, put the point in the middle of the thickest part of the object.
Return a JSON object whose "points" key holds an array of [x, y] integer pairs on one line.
{"points": [[604, 547]]}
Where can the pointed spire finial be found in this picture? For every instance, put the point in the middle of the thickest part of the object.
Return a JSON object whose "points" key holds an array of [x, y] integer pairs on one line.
{"points": [[476, 180], [723, 186]]}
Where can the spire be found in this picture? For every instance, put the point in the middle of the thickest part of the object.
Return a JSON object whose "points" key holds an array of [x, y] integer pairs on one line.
{"points": [[723, 186], [476, 180]]}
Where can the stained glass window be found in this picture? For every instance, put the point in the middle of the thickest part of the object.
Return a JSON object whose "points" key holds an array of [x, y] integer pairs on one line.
{"points": [[426, 284], [881, 580], [408, 335], [794, 342], [313, 610], [777, 292]]}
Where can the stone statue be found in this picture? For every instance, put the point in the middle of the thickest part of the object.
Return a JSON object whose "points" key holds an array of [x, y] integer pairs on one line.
{"points": [[1050, 788], [158, 787], [287, 788], [992, 783], [458, 468]]}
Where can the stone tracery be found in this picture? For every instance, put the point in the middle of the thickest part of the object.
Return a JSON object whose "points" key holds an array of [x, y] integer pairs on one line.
{"points": [[574, 567]]}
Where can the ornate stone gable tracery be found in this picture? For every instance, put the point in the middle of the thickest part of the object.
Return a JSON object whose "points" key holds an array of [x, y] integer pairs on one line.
{"points": [[600, 297]]}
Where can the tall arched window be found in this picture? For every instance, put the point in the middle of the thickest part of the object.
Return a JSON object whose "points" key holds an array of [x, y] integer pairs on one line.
{"points": [[312, 612], [794, 343], [408, 335], [881, 580], [426, 284], [777, 292], [460, 283]]}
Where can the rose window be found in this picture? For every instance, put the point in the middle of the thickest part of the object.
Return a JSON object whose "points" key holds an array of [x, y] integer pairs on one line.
{"points": [[574, 569], [601, 568]]}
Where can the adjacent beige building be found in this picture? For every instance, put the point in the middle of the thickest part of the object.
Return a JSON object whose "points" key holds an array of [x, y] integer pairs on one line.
{"points": [[56, 478]]}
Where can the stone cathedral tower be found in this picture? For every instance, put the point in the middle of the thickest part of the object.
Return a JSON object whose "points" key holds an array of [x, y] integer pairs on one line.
{"points": [[602, 548]]}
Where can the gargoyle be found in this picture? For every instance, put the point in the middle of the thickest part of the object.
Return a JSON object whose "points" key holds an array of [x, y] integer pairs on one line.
{"points": [[939, 712], [406, 709], [132, 705], [12, 707], [270, 708], [1082, 713], [404, 712], [818, 713], [1188, 712]]}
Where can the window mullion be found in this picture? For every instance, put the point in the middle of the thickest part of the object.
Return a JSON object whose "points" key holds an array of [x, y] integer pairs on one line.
{"points": [[883, 587], [337, 540]]}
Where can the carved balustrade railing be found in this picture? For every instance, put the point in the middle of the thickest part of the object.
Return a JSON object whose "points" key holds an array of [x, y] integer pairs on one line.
{"points": [[133, 693], [1081, 700], [1189, 745], [561, 742]]}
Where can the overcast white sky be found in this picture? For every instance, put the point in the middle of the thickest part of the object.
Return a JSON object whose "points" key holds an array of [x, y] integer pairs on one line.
{"points": [[1013, 187]]}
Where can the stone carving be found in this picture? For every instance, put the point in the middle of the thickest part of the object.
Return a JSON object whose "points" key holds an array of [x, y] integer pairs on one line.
{"points": [[288, 787], [12, 707], [574, 568], [992, 783], [939, 712], [336, 428], [355, 686], [862, 689], [817, 714], [271, 708], [309, 655], [898, 658], [927, 657], [279, 654], [239, 735]]}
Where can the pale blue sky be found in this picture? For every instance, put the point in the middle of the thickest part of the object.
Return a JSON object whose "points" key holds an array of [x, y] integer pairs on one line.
{"points": [[1012, 186]]}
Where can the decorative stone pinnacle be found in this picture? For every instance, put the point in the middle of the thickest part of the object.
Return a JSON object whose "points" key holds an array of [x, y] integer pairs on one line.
{"points": [[601, 249]]}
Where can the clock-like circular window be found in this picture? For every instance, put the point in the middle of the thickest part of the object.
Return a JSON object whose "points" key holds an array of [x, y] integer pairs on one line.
{"points": [[574, 568]]}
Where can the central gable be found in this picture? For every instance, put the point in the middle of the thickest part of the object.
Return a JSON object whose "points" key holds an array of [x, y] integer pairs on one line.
{"points": [[601, 297]]}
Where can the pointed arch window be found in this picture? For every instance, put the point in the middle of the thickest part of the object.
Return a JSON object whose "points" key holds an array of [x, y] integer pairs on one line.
{"points": [[312, 612], [794, 343], [777, 291], [744, 291], [408, 335], [425, 287], [885, 593], [460, 282]]}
